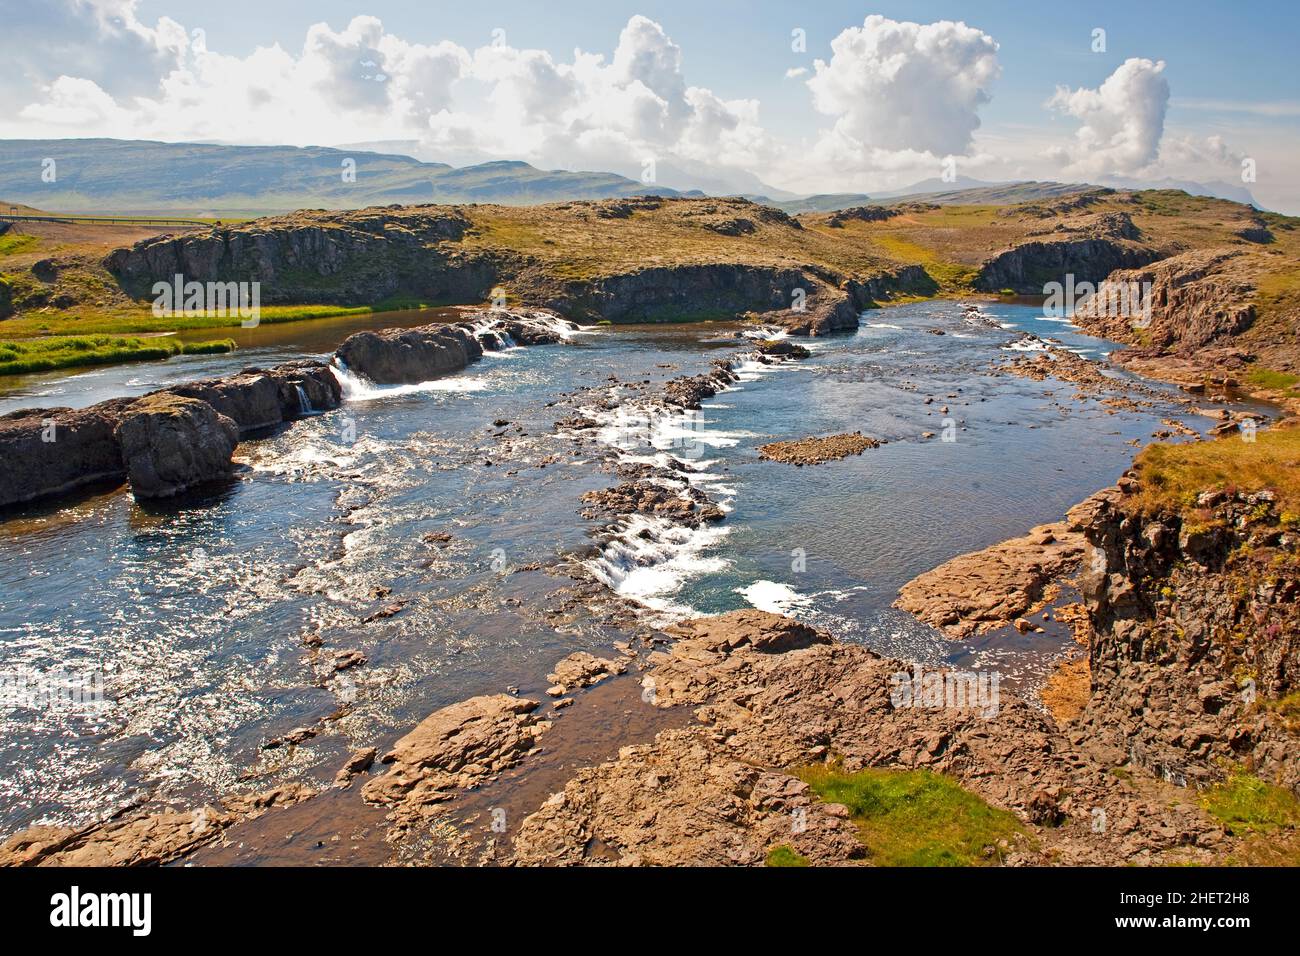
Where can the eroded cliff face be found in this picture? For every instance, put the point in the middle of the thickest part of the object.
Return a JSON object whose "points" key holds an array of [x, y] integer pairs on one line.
{"points": [[1029, 266], [1196, 298], [1197, 637], [426, 252], [315, 256]]}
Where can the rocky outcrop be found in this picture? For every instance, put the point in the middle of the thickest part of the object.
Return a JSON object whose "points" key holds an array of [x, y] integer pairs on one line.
{"points": [[1029, 266], [172, 443], [582, 669], [458, 746], [360, 256], [410, 356], [52, 451], [672, 293], [773, 695], [994, 587], [837, 219], [1196, 298], [1196, 619], [142, 837], [256, 399]]}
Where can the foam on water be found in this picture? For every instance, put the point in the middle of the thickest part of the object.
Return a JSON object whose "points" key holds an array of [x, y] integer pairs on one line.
{"points": [[775, 597], [357, 388]]}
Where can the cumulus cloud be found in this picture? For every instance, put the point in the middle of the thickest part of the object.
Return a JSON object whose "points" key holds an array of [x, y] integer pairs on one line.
{"points": [[1122, 121], [900, 86], [103, 40], [365, 83]]}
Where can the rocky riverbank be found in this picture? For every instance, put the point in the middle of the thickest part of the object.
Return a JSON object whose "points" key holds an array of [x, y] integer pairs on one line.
{"points": [[178, 438], [164, 443]]}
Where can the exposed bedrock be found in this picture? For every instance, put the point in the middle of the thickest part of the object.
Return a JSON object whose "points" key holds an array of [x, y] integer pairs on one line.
{"points": [[409, 356], [313, 256], [1195, 299], [772, 695], [51, 451], [171, 443], [1028, 267], [256, 398], [176, 438], [1196, 637], [805, 301], [163, 442]]}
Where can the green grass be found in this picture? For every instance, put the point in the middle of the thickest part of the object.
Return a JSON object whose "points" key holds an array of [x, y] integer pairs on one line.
{"points": [[1246, 804], [952, 277], [916, 817], [1270, 379], [11, 243], [1171, 476], [77, 321], [784, 855], [47, 355]]}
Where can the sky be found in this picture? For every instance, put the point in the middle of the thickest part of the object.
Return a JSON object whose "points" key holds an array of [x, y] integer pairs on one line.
{"points": [[741, 96]]}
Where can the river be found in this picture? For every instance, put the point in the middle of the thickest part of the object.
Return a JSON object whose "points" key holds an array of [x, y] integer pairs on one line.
{"points": [[217, 621]]}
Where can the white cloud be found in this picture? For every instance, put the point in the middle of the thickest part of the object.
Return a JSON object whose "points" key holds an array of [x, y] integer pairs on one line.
{"points": [[1122, 121], [902, 86], [889, 104]]}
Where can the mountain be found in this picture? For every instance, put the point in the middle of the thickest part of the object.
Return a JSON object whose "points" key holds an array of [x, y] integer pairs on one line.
{"points": [[687, 176], [820, 202], [1216, 189], [935, 185], [198, 179], [963, 191]]}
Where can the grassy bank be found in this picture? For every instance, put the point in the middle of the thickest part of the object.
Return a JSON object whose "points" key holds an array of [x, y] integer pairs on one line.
{"points": [[59, 352], [915, 817], [142, 321], [1173, 475]]}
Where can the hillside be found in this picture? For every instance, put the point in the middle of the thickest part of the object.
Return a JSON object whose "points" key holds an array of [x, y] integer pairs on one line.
{"points": [[143, 177], [1227, 288]]}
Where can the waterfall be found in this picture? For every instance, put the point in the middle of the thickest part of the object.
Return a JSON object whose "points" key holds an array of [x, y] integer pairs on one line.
{"points": [[304, 403]]}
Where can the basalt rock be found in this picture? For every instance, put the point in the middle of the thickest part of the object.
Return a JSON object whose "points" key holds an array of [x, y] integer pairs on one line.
{"points": [[976, 592], [1031, 265], [52, 451], [1195, 299], [171, 443], [1196, 623], [458, 746], [360, 256], [773, 695], [410, 356]]}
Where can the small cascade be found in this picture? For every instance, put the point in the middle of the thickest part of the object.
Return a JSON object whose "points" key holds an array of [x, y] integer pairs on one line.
{"points": [[304, 403]]}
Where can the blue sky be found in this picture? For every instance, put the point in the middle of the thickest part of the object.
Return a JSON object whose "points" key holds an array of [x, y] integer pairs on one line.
{"points": [[1216, 50], [1206, 85]]}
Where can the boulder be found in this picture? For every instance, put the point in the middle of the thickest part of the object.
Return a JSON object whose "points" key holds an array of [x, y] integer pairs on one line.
{"points": [[49, 451], [457, 746], [171, 443], [409, 356]]}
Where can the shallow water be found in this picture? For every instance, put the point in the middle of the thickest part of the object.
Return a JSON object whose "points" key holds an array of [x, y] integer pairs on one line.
{"points": [[196, 612]]}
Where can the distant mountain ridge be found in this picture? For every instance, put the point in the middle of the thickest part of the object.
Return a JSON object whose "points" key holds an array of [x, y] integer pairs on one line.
{"points": [[145, 177], [141, 177]]}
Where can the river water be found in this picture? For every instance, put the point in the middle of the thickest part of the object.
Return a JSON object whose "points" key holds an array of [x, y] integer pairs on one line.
{"points": [[215, 621]]}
